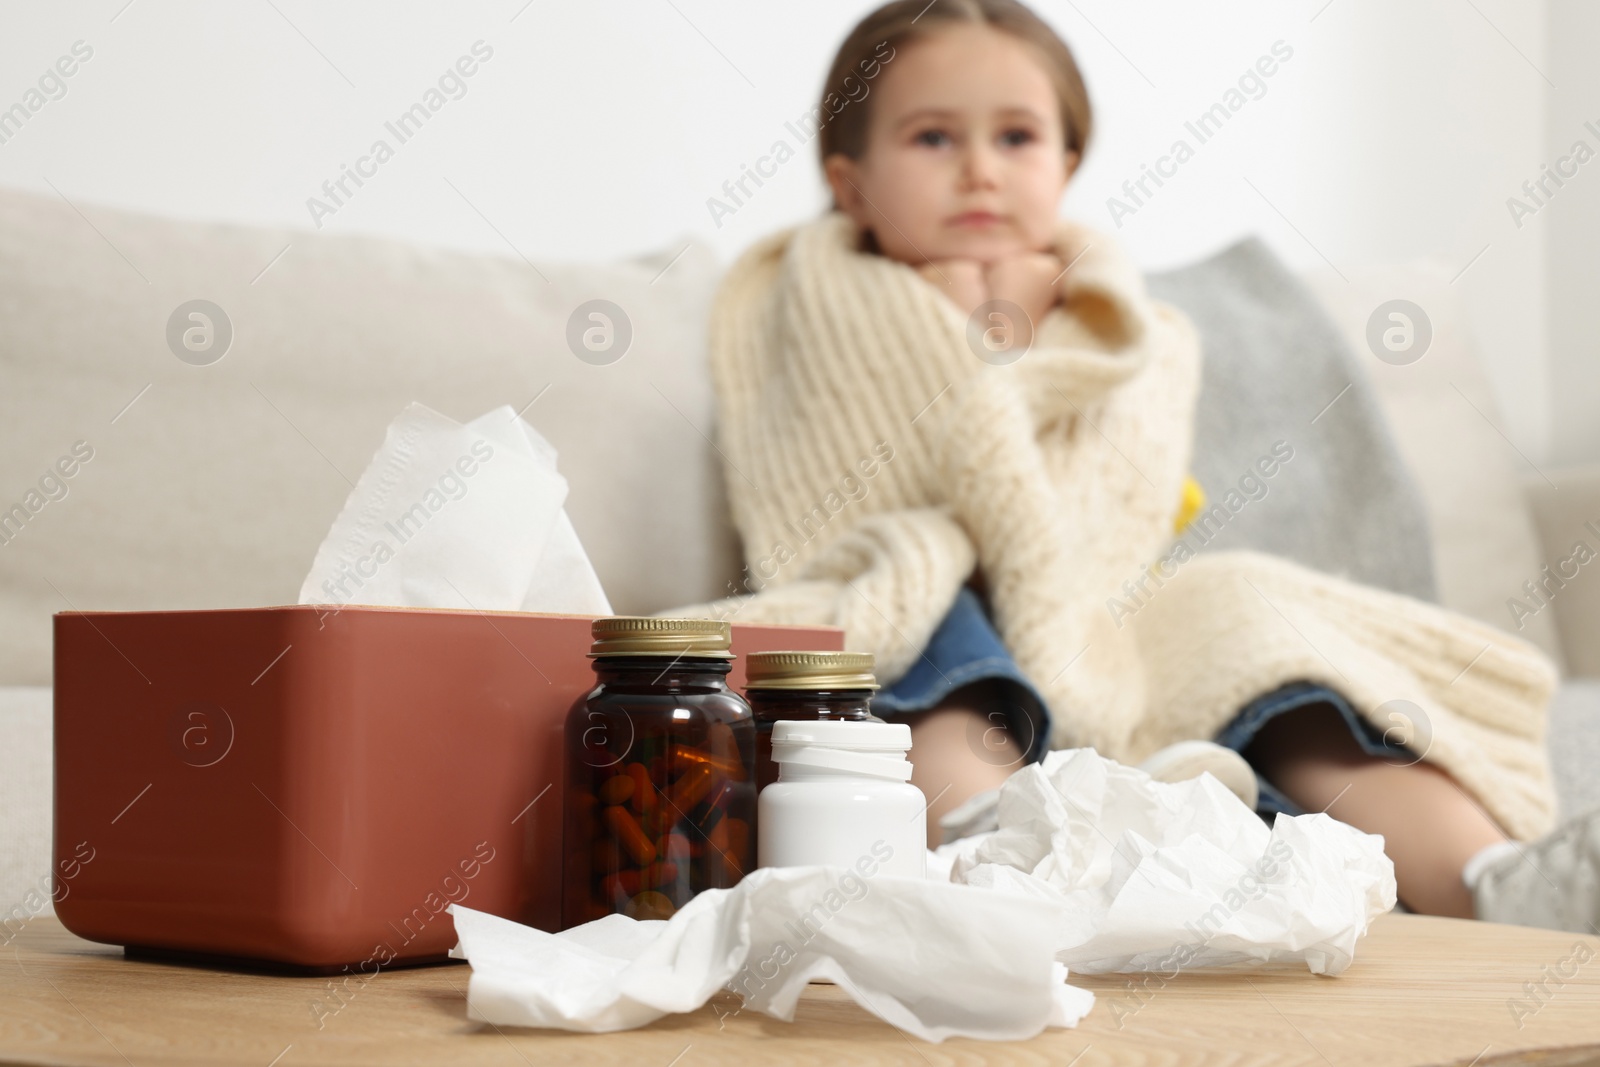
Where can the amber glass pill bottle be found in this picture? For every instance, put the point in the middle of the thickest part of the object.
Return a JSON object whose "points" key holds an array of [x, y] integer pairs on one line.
{"points": [[660, 787], [805, 685]]}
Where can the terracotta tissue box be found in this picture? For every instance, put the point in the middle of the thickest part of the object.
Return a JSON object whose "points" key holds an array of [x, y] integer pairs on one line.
{"points": [[312, 788]]}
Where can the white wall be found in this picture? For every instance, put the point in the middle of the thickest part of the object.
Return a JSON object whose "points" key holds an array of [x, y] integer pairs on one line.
{"points": [[1395, 132], [599, 130], [1571, 222]]}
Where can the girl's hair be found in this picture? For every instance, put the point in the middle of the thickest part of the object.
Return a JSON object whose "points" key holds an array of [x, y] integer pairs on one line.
{"points": [[844, 110]]}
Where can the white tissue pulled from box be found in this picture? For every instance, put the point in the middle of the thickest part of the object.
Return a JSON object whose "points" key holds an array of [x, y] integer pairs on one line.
{"points": [[453, 516], [1149, 876], [936, 960]]}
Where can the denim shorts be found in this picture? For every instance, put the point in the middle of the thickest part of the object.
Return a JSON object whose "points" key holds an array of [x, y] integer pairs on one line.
{"points": [[1242, 729], [966, 648]]}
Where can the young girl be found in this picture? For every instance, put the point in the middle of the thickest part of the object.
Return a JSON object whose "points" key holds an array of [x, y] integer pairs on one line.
{"points": [[1020, 414]]}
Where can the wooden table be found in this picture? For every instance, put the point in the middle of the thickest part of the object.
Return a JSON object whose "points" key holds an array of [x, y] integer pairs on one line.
{"points": [[1422, 991]]}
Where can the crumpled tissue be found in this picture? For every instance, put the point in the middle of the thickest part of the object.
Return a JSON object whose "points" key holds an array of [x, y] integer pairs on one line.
{"points": [[1144, 875], [1095, 866], [936, 960], [453, 516]]}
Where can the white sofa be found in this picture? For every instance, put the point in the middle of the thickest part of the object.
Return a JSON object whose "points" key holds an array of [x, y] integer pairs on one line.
{"points": [[210, 486]]}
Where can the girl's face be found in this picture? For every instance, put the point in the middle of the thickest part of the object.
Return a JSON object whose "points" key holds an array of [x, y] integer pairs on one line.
{"points": [[965, 155]]}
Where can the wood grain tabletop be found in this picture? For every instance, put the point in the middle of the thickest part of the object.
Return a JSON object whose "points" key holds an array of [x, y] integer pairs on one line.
{"points": [[1422, 991]]}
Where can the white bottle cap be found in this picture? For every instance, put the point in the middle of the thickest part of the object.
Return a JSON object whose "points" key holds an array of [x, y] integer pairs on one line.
{"points": [[848, 747]]}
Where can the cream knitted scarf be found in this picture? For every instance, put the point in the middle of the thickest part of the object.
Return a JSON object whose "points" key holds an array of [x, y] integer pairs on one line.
{"points": [[872, 459]]}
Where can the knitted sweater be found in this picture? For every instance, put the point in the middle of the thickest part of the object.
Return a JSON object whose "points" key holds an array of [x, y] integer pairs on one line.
{"points": [[873, 459]]}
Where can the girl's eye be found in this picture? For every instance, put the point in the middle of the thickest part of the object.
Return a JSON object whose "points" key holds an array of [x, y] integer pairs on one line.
{"points": [[933, 138], [1016, 138]]}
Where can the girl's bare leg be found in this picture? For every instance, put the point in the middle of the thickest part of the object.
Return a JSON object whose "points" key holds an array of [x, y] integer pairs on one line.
{"points": [[959, 749], [1430, 827]]}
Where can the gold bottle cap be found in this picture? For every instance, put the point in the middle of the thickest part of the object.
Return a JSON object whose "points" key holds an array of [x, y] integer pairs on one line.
{"points": [[809, 670], [648, 635]]}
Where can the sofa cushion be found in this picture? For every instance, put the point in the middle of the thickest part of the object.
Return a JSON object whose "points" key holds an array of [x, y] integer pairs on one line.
{"points": [[1575, 745], [25, 777], [210, 484], [1442, 412], [1566, 511], [1278, 379]]}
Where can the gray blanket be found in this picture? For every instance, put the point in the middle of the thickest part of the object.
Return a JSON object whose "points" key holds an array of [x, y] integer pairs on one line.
{"points": [[1344, 503]]}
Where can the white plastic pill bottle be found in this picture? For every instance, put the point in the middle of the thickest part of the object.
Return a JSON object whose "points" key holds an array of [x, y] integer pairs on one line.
{"points": [[843, 792]]}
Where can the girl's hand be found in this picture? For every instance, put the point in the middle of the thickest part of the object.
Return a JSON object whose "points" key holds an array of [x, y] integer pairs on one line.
{"points": [[959, 279], [1027, 281]]}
